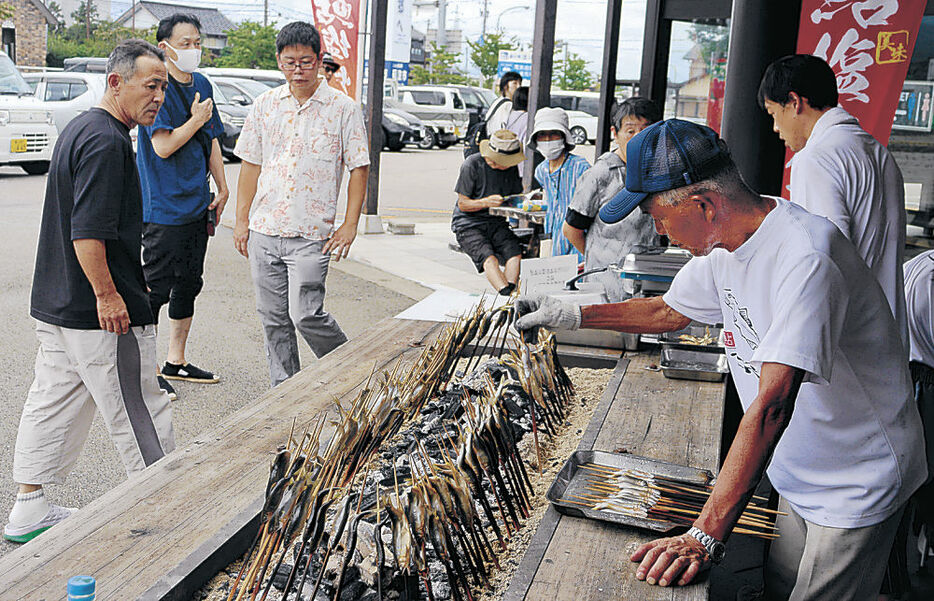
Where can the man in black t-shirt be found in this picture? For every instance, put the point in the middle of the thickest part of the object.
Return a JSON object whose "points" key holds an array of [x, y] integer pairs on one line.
{"points": [[94, 323], [485, 180]]}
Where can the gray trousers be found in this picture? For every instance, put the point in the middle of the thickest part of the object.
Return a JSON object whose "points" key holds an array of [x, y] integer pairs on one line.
{"points": [[80, 372], [809, 562], [288, 276]]}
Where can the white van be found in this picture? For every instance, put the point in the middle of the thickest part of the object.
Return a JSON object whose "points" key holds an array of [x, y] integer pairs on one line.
{"points": [[27, 129], [444, 101]]}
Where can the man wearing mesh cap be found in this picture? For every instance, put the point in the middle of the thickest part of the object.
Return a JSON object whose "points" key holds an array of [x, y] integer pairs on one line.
{"points": [[809, 339]]}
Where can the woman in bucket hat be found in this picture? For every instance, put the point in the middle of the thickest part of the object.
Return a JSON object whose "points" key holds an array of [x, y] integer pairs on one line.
{"points": [[485, 180], [558, 175]]}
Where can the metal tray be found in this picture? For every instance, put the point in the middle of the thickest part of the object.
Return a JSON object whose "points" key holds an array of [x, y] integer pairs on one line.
{"points": [[683, 364], [673, 340], [571, 480]]}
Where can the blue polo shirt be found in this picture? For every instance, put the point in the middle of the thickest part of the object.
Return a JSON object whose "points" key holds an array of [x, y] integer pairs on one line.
{"points": [[176, 190]]}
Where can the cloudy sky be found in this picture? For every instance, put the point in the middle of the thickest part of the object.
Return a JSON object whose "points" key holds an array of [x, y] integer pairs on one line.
{"points": [[580, 23]]}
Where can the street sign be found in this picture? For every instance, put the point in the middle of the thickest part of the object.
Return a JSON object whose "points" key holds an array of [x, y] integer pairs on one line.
{"points": [[519, 61]]}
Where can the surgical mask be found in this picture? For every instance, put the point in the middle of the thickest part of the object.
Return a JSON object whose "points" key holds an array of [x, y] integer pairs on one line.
{"points": [[188, 59], [551, 149]]}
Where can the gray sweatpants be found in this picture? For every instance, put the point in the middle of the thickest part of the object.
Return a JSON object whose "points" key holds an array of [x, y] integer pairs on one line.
{"points": [[288, 276], [77, 373], [809, 562]]}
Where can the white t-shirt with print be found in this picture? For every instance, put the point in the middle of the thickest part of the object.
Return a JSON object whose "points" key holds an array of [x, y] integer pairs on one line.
{"points": [[797, 293]]}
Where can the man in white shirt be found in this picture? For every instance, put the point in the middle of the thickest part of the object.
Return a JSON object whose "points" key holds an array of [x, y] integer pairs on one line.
{"points": [[919, 294], [823, 383], [295, 144], [498, 113], [839, 171]]}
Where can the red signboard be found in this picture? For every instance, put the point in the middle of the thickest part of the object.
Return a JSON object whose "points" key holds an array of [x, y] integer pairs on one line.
{"points": [[868, 43], [339, 21]]}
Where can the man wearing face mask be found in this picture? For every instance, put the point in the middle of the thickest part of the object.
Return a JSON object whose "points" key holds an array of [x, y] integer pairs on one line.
{"points": [[175, 155], [603, 243]]}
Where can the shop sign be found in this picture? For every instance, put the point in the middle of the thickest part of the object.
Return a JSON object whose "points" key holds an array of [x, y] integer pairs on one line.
{"points": [[914, 111]]}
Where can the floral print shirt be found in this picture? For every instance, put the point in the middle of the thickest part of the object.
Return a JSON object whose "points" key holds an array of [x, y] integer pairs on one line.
{"points": [[303, 151]]}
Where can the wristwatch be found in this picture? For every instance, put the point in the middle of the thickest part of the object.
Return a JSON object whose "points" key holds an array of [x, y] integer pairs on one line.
{"points": [[715, 549]]}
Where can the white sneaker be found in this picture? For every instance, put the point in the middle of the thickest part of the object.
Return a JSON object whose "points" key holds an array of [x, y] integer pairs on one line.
{"points": [[23, 534]]}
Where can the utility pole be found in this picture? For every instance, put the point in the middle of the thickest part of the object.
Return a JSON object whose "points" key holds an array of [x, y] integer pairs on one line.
{"points": [[265, 13], [483, 28], [133, 13], [565, 65], [442, 23]]}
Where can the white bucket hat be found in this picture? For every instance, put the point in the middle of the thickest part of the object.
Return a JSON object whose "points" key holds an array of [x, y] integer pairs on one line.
{"points": [[551, 119]]}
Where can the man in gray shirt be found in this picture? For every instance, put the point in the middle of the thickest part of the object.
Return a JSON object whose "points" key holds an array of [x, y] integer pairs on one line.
{"points": [[603, 243]]}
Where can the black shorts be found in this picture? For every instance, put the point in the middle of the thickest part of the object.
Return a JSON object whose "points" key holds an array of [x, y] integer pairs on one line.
{"points": [[173, 264], [491, 238]]}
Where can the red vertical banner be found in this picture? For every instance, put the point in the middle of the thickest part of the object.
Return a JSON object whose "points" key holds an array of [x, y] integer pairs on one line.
{"points": [[716, 94], [868, 44], [338, 22]]}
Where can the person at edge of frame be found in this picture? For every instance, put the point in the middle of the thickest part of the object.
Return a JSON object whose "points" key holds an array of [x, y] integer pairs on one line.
{"points": [[295, 144], [175, 156], [825, 389], [601, 243], [97, 342]]}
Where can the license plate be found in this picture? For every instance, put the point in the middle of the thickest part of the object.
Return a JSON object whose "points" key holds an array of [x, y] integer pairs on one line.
{"points": [[18, 145], [457, 132]]}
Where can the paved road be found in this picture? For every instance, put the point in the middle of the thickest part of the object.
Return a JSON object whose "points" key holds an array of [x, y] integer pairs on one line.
{"points": [[226, 338]]}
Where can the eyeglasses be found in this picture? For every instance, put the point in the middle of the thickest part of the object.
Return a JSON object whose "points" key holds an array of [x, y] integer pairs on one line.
{"points": [[304, 65]]}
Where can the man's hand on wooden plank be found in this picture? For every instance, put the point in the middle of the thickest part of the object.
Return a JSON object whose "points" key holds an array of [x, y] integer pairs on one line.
{"points": [[676, 560]]}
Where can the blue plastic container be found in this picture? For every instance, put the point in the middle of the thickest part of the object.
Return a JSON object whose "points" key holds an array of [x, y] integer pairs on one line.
{"points": [[82, 588]]}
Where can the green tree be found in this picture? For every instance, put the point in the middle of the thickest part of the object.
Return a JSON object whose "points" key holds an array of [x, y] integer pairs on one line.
{"points": [[440, 68], [72, 41], [56, 10], [570, 71], [485, 54], [6, 11], [86, 17], [250, 46], [713, 41]]}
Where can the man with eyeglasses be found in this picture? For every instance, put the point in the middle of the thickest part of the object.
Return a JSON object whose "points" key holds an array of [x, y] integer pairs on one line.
{"points": [[295, 144]]}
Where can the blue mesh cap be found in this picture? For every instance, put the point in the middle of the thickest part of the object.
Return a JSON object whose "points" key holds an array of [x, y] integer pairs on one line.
{"points": [[665, 156]]}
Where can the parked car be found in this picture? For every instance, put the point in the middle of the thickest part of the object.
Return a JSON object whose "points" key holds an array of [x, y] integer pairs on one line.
{"points": [[232, 114], [583, 127], [67, 94], [27, 128], [476, 100], [437, 104], [239, 90], [400, 128], [438, 126], [269, 77], [86, 64], [585, 102]]}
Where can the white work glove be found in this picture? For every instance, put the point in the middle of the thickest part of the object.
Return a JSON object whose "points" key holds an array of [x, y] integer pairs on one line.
{"points": [[539, 310]]}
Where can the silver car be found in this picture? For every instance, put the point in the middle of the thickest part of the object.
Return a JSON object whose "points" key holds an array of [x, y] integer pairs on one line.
{"points": [[66, 93]]}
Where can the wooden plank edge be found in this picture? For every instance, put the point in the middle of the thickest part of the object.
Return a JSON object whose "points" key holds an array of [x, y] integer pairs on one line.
{"points": [[228, 544], [535, 553]]}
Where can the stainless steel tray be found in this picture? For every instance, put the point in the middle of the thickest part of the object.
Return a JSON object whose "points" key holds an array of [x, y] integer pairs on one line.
{"points": [[673, 339], [572, 480], [683, 364]]}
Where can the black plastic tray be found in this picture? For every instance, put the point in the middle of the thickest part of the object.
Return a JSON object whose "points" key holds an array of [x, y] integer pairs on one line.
{"points": [[572, 479]]}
